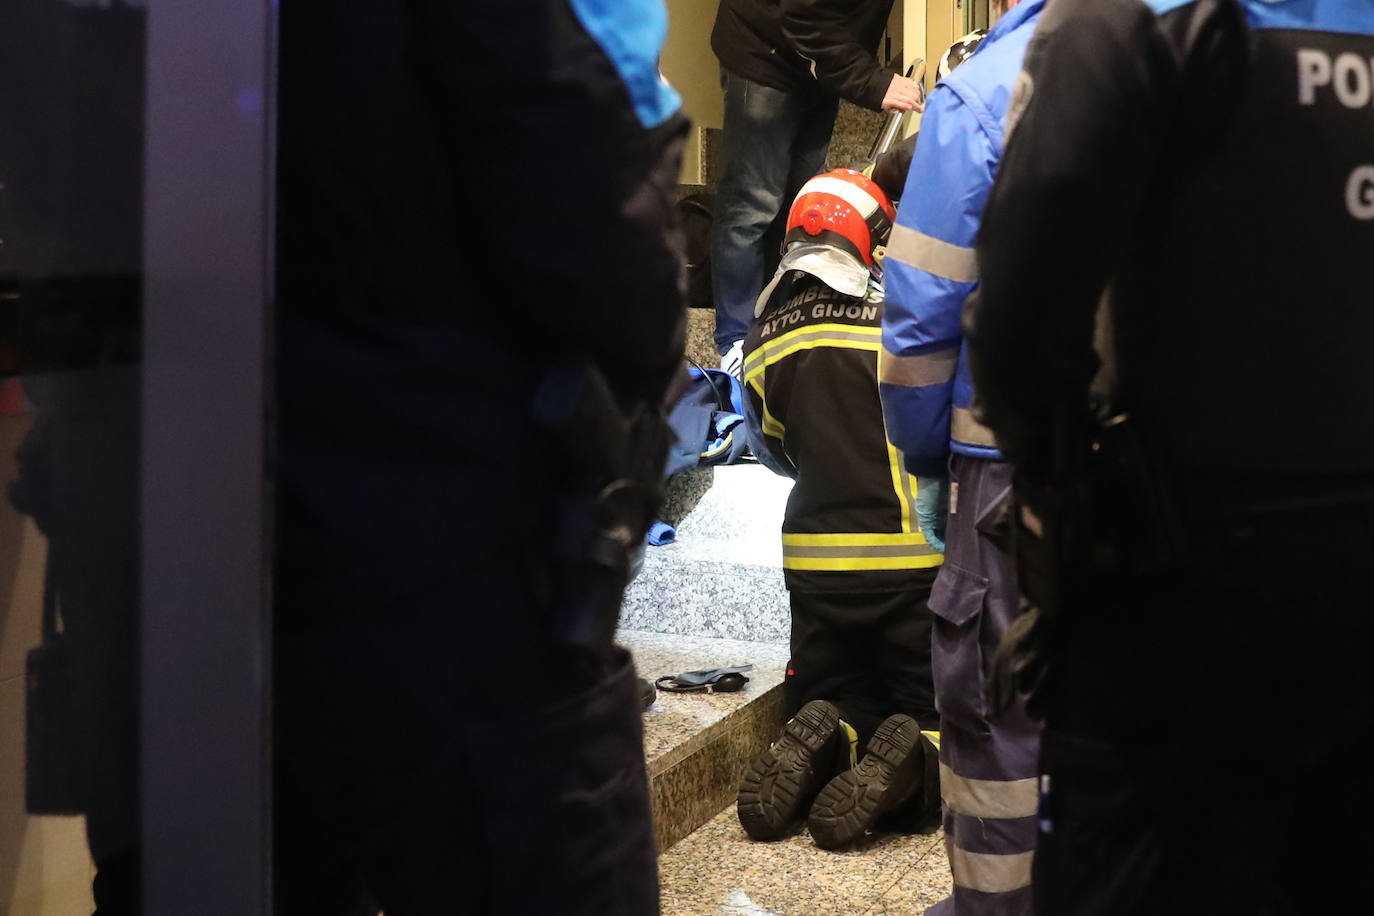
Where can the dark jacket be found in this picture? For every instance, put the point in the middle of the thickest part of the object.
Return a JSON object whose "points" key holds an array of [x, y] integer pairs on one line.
{"points": [[1204, 164], [417, 197], [442, 243], [806, 45], [811, 402]]}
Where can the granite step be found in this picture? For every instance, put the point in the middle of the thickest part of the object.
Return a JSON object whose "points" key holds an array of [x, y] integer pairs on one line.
{"points": [[722, 577], [698, 744]]}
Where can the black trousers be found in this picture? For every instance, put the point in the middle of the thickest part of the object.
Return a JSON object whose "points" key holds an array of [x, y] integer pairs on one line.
{"points": [[438, 750], [1210, 736], [410, 798], [866, 652]]}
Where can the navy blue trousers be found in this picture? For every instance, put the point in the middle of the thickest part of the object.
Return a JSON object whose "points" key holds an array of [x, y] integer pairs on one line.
{"points": [[987, 760]]}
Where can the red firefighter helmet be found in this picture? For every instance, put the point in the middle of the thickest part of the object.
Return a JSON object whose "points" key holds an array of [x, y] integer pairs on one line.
{"points": [[835, 223], [843, 208]]}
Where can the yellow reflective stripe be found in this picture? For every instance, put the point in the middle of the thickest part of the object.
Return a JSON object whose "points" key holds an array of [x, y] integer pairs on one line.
{"points": [[963, 427], [988, 873], [845, 336], [724, 444], [857, 550], [904, 485], [995, 798], [753, 366], [771, 426], [886, 550], [901, 480], [933, 738], [853, 743], [857, 564], [918, 371], [857, 539], [850, 343], [820, 335], [934, 256]]}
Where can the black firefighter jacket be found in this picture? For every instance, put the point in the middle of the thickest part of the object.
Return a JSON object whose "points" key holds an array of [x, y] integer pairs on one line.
{"points": [[811, 402]]}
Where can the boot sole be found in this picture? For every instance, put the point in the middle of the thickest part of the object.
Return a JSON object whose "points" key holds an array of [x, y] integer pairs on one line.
{"points": [[779, 785], [886, 776]]}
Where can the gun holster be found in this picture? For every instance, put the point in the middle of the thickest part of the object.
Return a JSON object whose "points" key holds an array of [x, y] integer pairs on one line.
{"points": [[1109, 512], [614, 459], [1109, 515]]}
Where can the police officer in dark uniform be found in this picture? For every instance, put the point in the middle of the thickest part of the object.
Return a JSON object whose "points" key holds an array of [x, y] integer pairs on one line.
{"points": [[1202, 651], [480, 312]]}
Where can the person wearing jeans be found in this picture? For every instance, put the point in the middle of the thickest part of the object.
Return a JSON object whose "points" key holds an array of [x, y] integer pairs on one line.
{"points": [[785, 64], [755, 182]]}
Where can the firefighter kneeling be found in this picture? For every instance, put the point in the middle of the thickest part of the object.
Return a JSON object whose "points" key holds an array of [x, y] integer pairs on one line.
{"points": [[857, 566]]}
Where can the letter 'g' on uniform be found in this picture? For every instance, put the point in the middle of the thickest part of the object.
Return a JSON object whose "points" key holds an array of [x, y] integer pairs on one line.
{"points": [[1359, 192]]}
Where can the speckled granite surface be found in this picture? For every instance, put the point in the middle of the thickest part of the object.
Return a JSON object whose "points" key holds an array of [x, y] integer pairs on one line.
{"points": [[719, 871], [691, 791], [703, 598], [682, 493], [697, 745], [701, 345], [674, 724], [743, 511], [710, 156], [926, 884], [723, 575], [855, 129]]}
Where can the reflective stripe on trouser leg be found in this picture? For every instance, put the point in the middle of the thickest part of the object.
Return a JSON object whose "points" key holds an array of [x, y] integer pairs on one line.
{"points": [[988, 765], [990, 830]]}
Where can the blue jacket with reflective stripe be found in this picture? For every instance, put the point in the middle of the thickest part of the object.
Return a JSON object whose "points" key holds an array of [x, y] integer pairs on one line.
{"points": [[929, 268]]}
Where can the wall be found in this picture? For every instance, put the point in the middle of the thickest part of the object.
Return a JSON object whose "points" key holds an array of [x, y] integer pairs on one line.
{"points": [[914, 48], [689, 64]]}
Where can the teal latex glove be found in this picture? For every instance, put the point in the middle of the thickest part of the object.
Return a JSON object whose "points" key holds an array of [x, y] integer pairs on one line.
{"points": [[932, 509]]}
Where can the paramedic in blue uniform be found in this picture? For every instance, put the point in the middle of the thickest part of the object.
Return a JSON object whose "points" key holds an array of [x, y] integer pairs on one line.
{"points": [[1206, 170], [987, 758], [456, 732]]}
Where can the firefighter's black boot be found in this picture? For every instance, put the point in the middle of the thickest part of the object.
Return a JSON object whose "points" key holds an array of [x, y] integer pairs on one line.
{"points": [[780, 785], [892, 772]]}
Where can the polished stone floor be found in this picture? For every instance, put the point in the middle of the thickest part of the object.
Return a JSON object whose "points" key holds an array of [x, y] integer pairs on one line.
{"points": [[719, 871]]}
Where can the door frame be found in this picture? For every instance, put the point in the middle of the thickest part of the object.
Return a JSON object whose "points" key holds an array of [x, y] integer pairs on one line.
{"points": [[208, 267]]}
